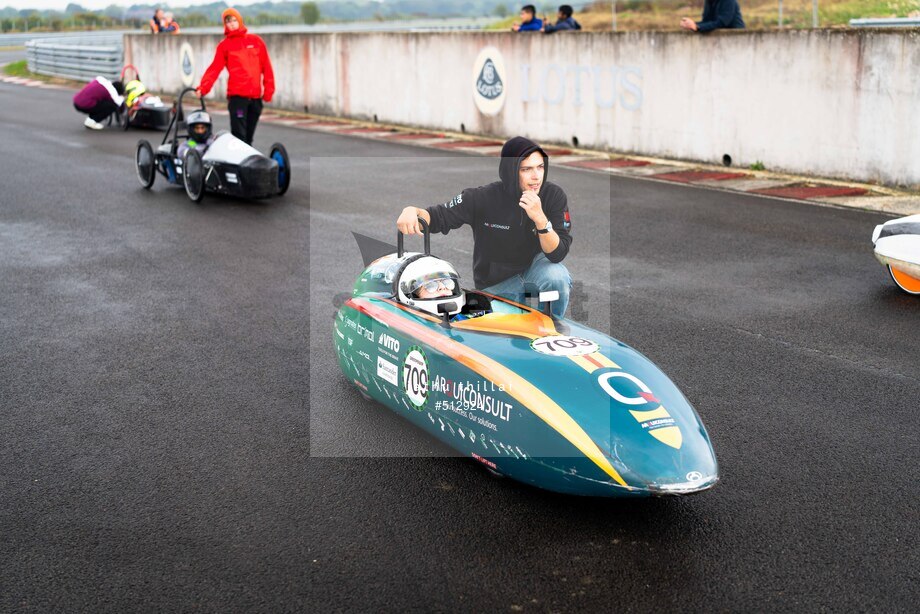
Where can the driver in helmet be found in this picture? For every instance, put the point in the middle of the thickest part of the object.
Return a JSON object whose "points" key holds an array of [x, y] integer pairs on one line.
{"points": [[428, 282], [199, 133], [134, 91]]}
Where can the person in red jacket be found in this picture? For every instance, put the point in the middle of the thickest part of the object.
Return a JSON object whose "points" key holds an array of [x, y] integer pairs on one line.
{"points": [[251, 79]]}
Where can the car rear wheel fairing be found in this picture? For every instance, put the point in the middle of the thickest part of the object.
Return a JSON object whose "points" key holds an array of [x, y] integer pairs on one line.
{"points": [[145, 163], [909, 284], [193, 175]]}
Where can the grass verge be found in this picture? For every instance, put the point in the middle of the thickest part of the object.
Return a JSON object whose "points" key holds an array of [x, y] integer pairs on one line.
{"points": [[21, 69]]}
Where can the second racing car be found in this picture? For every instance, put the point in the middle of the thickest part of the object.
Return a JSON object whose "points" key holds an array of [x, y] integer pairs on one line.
{"points": [[192, 156]]}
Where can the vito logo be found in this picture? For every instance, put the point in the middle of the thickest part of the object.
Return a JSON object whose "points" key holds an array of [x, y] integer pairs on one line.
{"points": [[642, 397], [489, 81], [388, 342]]}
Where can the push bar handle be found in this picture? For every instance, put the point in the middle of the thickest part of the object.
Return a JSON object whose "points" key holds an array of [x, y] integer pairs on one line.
{"points": [[425, 231]]}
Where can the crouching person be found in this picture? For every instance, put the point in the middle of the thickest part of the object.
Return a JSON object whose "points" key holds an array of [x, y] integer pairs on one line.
{"points": [[521, 227], [99, 99]]}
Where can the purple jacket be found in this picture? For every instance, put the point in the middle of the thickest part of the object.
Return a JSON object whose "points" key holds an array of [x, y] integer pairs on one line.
{"points": [[96, 90]]}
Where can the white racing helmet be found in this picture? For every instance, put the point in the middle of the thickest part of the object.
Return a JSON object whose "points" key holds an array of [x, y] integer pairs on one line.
{"points": [[199, 126], [428, 274]]}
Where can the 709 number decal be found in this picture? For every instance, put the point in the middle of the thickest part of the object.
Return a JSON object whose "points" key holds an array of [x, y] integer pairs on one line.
{"points": [[562, 345], [415, 377]]}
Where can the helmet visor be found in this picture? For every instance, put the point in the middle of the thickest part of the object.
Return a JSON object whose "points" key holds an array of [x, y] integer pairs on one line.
{"points": [[436, 284]]}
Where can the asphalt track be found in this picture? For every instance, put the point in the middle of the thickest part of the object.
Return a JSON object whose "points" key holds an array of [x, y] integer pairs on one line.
{"points": [[11, 54], [163, 364]]}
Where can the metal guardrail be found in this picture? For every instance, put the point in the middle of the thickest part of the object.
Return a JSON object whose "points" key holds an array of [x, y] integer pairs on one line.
{"points": [[886, 22], [77, 58]]}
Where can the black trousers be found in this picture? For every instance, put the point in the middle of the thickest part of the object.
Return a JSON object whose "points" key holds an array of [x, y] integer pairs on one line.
{"points": [[101, 111], [244, 115]]}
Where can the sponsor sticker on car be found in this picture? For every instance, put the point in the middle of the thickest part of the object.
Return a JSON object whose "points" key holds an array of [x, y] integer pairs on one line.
{"points": [[387, 371], [564, 345], [415, 377]]}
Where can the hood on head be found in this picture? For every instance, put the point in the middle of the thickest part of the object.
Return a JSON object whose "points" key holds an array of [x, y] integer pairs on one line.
{"points": [[235, 13], [513, 151]]}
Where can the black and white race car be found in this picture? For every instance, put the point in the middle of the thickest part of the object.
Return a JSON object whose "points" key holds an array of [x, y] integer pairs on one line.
{"points": [[192, 157]]}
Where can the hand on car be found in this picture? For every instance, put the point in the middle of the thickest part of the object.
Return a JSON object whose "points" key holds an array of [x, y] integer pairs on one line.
{"points": [[407, 223]]}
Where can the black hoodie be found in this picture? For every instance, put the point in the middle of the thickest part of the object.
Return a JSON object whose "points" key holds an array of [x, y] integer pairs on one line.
{"points": [[504, 239]]}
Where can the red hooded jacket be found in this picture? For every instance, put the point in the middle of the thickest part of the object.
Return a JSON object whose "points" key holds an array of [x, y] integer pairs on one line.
{"points": [[246, 59]]}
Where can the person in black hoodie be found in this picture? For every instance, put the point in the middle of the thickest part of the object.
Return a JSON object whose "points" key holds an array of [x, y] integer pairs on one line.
{"points": [[520, 226]]}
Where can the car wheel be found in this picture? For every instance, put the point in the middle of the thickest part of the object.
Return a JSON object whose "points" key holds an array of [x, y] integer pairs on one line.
{"points": [[279, 154], [145, 162], [193, 175], [905, 282]]}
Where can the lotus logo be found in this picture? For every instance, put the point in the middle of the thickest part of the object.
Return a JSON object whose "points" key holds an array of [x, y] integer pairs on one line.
{"points": [[488, 80], [489, 84], [186, 64]]}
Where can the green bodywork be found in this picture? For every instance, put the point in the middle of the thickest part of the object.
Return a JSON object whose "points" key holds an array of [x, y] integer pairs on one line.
{"points": [[449, 382]]}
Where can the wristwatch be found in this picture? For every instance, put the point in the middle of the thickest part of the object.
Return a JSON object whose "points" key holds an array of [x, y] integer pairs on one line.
{"points": [[545, 229]]}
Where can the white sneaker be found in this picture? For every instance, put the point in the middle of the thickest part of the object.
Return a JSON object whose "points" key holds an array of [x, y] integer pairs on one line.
{"points": [[93, 124]]}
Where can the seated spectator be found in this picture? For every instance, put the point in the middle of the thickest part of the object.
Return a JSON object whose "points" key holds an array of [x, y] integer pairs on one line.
{"points": [[156, 24], [716, 14], [529, 21], [564, 21], [170, 24], [99, 99]]}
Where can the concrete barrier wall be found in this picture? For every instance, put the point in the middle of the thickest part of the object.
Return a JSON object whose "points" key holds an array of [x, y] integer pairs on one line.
{"points": [[826, 102]]}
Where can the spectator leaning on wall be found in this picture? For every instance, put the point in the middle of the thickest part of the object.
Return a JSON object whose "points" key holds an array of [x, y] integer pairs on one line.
{"points": [[716, 14], [251, 79], [170, 24], [529, 21], [564, 21], [156, 23]]}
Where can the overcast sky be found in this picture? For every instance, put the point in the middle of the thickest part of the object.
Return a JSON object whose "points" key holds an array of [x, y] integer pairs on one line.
{"points": [[59, 5]]}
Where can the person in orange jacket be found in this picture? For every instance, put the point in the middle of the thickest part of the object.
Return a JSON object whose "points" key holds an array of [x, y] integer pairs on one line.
{"points": [[251, 79]]}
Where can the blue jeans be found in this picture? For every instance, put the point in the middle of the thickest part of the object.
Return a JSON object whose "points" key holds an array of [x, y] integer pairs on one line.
{"points": [[542, 275]]}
